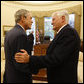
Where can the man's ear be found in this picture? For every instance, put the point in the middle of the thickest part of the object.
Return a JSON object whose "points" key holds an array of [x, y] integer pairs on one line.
{"points": [[22, 18], [63, 18]]}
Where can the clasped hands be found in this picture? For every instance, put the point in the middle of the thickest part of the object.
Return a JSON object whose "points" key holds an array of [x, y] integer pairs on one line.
{"points": [[22, 57]]}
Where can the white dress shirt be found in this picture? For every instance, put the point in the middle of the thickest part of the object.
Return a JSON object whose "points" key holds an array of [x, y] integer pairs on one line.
{"points": [[61, 28]]}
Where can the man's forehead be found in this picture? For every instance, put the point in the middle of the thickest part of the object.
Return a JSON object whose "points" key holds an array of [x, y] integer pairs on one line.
{"points": [[29, 14], [54, 16]]}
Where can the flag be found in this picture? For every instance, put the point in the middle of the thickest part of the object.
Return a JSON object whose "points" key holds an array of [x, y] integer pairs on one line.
{"points": [[37, 34]]}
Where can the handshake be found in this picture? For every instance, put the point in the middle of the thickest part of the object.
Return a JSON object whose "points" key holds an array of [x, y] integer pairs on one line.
{"points": [[22, 57]]}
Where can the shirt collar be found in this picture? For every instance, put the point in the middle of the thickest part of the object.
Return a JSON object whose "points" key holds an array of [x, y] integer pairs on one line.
{"points": [[61, 28], [21, 26]]}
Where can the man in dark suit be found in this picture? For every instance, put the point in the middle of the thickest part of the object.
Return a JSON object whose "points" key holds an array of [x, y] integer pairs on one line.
{"points": [[61, 59], [15, 40]]}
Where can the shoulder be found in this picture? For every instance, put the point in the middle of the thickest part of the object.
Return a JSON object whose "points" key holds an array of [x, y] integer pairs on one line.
{"points": [[68, 30], [71, 33], [15, 32]]}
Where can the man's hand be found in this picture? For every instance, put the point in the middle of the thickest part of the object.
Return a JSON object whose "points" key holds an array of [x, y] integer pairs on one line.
{"points": [[22, 57]]}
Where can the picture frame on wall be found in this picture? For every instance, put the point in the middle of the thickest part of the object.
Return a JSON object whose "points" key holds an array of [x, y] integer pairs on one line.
{"points": [[6, 28]]}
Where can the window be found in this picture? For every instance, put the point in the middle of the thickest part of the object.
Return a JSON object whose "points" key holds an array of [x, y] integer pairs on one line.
{"points": [[48, 28], [72, 19], [32, 29]]}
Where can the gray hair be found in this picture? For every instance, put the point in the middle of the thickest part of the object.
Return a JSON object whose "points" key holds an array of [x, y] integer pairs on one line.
{"points": [[19, 13], [62, 13]]}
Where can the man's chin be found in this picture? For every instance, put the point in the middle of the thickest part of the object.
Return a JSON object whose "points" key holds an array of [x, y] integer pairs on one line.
{"points": [[29, 28], [54, 28]]}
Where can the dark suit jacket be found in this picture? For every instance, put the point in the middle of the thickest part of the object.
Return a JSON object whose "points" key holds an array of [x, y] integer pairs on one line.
{"points": [[61, 59], [15, 40], [31, 40]]}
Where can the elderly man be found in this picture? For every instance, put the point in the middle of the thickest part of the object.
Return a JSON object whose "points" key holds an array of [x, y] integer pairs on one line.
{"points": [[15, 40], [61, 58]]}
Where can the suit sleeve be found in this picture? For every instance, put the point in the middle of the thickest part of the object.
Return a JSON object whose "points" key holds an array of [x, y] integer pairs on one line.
{"points": [[21, 43], [62, 51]]}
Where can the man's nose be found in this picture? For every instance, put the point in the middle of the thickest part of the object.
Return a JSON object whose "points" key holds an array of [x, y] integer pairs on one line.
{"points": [[32, 21], [51, 23]]}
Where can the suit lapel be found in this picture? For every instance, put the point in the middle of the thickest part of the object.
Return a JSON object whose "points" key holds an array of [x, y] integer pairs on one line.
{"points": [[52, 44]]}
